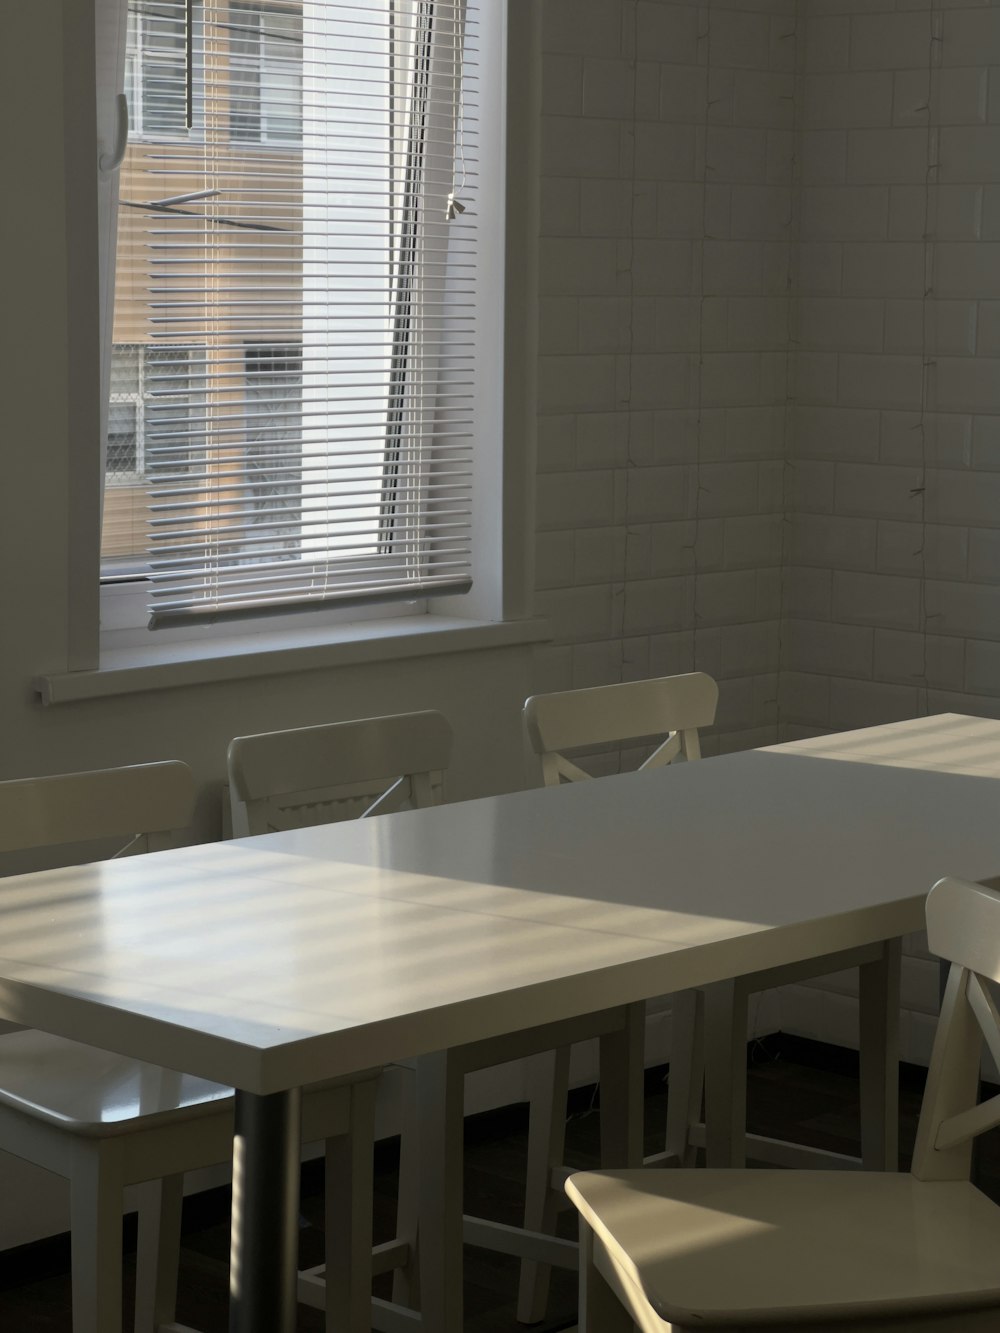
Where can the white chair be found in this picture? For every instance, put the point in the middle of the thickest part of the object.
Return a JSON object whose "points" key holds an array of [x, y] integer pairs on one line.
{"points": [[840, 1252], [104, 1121], [674, 707], [313, 775], [282, 780], [671, 707], [709, 1027]]}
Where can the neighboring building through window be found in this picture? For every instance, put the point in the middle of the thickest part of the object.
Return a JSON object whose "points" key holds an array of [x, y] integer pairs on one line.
{"points": [[155, 416], [153, 394], [274, 449], [298, 204], [265, 75], [157, 60], [125, 435]]}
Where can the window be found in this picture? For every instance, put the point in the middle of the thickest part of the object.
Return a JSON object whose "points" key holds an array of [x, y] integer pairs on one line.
{"points": [[316, 237], [151, 387], [274, 450], [125, 418], [266, 76], [156, 68], [155, 392]]}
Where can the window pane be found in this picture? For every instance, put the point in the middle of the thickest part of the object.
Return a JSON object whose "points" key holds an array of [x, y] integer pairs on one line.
{"points": [[274, 450], [125, 371], [281, 79], [265, 75], [292, 308], [244, 75], [123, 442], [155, 420], [173, 403], [157, 68], [125, 499]]}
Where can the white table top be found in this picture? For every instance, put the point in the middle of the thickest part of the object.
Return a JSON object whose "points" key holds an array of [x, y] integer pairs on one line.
{"points": [[275, 961]]}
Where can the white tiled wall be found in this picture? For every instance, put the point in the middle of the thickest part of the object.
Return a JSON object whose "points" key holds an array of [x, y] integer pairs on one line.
{"points": [[665, 321], [893, 553], [770, 379], [897, 381]]}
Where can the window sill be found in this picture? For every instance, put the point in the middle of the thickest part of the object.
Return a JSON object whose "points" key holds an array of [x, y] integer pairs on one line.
{"points": [[278, 652]]}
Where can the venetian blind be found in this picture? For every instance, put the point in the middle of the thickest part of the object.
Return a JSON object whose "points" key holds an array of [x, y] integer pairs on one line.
{"points": [[295, 302]]}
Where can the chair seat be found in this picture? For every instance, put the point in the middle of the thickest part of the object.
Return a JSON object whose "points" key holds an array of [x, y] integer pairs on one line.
{"points": [[716, 1248], [92, 1092]]}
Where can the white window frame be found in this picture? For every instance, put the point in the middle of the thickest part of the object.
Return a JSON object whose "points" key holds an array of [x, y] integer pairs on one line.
{"points": [[100, 638]]}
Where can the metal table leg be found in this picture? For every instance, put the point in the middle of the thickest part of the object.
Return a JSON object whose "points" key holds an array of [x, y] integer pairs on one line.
{"points": [[879, 1006], [263, 1262], [440, 1099]]}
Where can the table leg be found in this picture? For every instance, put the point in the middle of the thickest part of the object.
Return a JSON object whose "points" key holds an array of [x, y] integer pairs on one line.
{"points": [[726, 1012], [440, 1101], [263, 1264], [621, 1066], [878, 1006]]}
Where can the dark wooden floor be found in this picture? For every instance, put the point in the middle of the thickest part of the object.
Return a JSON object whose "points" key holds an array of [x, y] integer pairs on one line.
{"points": [[797, 1090]]}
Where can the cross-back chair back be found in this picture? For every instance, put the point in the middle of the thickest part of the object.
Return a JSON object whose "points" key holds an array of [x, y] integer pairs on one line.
{"points": [[282, 780], [144, 804], [673, 707], [963, 927]]}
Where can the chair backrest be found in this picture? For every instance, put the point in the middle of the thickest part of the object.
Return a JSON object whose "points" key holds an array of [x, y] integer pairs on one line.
{"points": [[143, 803], [671, 706], [963, 927], [282, 780]]}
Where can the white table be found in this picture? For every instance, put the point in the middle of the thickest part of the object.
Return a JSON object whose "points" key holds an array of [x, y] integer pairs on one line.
{"points": [[274, 962]]}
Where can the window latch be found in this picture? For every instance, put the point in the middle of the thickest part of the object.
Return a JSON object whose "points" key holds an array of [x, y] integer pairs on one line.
{"points": [[112, 161]]}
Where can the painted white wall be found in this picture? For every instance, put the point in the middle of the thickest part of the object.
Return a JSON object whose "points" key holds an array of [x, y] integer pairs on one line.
{"points": [[665, 267], [893, 561], [859, 142]]}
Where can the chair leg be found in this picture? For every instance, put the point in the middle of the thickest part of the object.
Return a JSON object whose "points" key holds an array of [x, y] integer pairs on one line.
{"points": [[158, 1253], [548, 1088], [725, 1074], [600, 1309], [441, 1106], [406, 1279], [348, 1209], [687, 1074], [878, 1006], [96, 1221]]}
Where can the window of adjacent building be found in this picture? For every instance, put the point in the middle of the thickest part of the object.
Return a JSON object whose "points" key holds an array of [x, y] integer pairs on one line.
{"points": [[156, 70], [155, 393], [266, 76], [274, 449], [304, 238]]}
